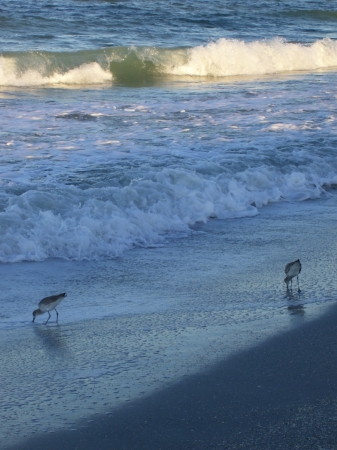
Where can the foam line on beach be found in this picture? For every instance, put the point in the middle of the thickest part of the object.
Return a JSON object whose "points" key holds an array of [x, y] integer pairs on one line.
{"points": [[94, 224]]}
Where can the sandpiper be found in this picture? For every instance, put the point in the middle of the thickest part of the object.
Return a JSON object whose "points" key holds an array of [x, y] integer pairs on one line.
{"points": [[292, 270], [47, 304]]}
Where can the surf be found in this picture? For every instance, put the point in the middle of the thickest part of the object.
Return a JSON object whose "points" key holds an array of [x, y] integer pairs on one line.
{"points": [[140, 65]]}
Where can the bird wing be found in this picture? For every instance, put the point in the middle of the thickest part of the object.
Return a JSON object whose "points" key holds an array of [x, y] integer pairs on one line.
{"points": [[287, 267]]}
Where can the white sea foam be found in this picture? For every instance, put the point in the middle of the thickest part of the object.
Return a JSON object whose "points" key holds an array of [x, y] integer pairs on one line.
{"points": [[89, 73], [223, 58], [229, 57], [102, 223], [86, 177]]}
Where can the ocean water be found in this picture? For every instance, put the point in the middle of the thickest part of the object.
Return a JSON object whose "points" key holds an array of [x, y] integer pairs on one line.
{"points": [[163, 158], [123, 124]]}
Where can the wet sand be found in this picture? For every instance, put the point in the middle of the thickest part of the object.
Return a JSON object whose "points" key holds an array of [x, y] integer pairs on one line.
{"points": [[194, 345], [279, 394]]}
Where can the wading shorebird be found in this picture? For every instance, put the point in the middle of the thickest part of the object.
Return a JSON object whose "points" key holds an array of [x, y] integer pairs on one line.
{"points": [[292, 270], [47, 304]]}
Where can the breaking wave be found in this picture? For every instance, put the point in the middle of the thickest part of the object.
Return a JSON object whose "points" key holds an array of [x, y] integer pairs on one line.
{"points": [[136, 65], [100, 223]]}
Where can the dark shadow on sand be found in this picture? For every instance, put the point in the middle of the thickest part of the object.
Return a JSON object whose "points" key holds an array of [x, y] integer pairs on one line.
{"points": [[278, 395]]}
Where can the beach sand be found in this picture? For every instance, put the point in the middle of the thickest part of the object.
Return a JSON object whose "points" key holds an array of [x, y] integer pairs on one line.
{"points": [[196, 346], [280, 394]]}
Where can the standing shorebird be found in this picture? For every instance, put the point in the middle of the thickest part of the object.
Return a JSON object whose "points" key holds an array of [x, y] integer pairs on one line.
{"points": [[292, 270], [47, 304]]}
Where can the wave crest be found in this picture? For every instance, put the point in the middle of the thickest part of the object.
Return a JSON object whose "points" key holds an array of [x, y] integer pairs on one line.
{"points": [[233, 57], [101, 223], [138, 65], [89, 73]]}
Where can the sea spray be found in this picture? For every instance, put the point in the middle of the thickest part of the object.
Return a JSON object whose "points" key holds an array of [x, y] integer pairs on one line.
{"points": [[230, 57], [94, 224], [86, 74], [136, 65]]}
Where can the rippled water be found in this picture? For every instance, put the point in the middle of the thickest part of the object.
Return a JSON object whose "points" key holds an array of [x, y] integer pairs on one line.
{"points": [[89, 173], [135, 324], [160, 162], [69, 25], [124, 125]]}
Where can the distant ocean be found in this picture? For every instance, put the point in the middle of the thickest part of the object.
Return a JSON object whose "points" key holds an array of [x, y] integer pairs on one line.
{"points": [[160, 162]]}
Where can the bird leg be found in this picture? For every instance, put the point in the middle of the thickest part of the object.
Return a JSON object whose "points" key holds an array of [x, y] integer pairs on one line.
{"points": [[298, 285], [57, 316], [48, 318]]}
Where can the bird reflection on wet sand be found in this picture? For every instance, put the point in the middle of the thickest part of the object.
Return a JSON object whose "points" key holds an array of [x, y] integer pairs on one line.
{"points": [[296, 309], [52, 339]]}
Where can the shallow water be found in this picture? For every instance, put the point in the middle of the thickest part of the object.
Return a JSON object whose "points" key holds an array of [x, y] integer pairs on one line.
{"points": [[234, 265], [160, 163], [89, 175], [139, 323]]}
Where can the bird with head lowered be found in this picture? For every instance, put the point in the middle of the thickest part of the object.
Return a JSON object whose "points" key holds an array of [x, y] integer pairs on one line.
{"points": [[48, 304], [292, 270]]}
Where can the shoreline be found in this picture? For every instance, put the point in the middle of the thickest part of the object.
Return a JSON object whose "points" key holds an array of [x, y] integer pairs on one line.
{"points": [[280, 394], [162, 318]]}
